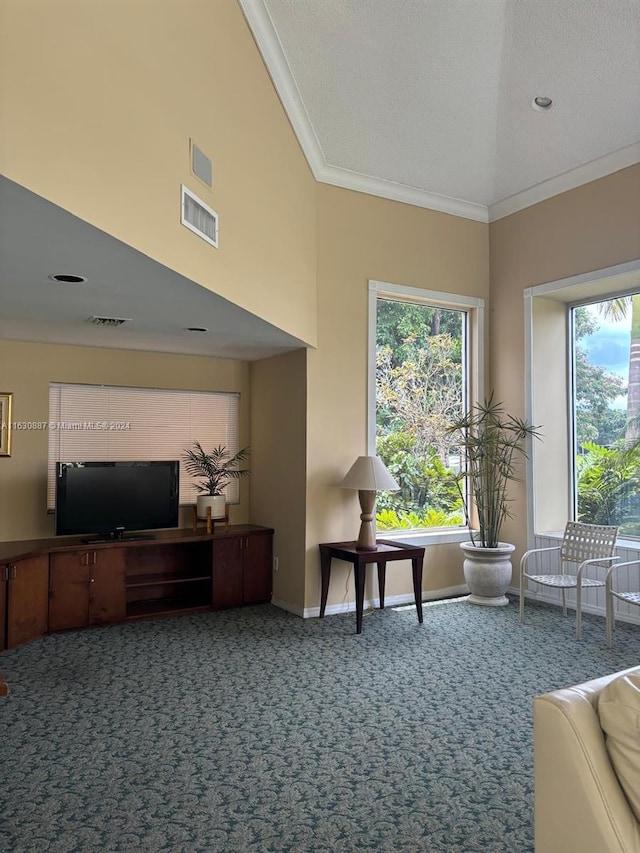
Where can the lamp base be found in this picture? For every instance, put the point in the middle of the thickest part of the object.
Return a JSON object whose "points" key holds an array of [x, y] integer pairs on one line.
{"points": [[367, 537]]}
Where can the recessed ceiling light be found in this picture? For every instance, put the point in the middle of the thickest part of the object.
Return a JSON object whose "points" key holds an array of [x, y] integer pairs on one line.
{"points": [[196, 329], [68, 278], [542, 102]]}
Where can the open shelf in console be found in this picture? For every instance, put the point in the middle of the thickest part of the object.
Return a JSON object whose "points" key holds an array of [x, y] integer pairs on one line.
{"points": [[168, 577], [163, 607], [157, 578]]}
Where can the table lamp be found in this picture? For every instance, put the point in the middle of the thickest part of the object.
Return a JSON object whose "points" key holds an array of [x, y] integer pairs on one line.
{"points": [[368, 475]]}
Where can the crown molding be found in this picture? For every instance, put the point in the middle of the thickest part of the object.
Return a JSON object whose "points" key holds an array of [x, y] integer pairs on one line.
{"points": [[266, 38], [577, 177], [401, 192]]}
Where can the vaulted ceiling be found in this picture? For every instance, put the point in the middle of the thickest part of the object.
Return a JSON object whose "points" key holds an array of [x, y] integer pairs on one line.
{"points": [[422, 101], [430, 101]]}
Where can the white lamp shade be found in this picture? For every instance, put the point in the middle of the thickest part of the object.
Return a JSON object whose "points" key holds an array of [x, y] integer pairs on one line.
{"points": [[369, 474]]}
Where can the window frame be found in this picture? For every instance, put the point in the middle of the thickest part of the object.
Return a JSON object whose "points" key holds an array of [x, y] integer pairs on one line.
{"points": [[474, 369], [565, 294]]}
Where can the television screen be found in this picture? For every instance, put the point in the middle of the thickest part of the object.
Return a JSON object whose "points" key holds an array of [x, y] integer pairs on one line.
{"points": [[112, 498]]}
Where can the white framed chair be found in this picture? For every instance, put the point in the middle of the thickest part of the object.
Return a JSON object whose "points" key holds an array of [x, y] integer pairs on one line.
{"points": [[582, 545], [628, 597]]}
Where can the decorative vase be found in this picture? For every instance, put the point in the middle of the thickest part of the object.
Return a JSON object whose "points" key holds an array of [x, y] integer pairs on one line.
{"points": [[216, 502], [487, 572]]}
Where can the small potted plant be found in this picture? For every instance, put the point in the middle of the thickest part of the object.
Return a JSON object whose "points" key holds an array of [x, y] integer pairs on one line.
{"points": [[214, 471], [492, 445]]}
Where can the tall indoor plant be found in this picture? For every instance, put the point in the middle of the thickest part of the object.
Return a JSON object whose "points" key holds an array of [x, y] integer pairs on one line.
{"points": [[214, 471], [492, 446]]}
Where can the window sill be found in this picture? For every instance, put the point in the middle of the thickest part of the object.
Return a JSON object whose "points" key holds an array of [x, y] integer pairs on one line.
{"points": [[441, 536]]}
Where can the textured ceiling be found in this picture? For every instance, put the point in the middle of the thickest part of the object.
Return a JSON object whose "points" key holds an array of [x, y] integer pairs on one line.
{"points": [[430, 100]]}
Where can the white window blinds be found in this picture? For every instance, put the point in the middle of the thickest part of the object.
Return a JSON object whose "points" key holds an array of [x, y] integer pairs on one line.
{"points": [[97, 423]]}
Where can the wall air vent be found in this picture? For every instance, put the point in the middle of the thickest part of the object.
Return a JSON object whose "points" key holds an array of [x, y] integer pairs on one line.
{"points": [[112, 322], [198, 217]]}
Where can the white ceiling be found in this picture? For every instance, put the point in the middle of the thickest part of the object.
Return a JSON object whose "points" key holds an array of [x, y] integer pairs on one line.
{"points": [[429, 101], [38, 239]]}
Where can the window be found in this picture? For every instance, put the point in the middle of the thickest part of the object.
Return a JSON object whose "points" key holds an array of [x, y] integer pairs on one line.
{"points": [[105, 423], [576, 377], [421, 358], [605, 338]]}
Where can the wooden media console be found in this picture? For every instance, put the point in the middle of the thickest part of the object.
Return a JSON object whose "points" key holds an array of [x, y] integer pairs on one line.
{"points": [[65, 583]]}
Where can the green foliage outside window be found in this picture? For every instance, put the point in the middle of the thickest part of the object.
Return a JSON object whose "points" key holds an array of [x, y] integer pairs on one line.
{"points": [[419, 390], [608, 449], [428, 495], [596, 389], [608, 485]]}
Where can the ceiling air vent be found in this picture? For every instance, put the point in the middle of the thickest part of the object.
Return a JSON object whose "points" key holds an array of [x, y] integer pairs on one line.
{"points": [[112, 322], [198, 217]]}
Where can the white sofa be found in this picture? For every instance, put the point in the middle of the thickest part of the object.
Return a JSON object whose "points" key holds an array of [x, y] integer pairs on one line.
{"points": [[581, 773]]}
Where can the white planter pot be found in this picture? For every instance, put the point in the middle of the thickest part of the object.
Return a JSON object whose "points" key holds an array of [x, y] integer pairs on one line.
{"points": [[487, 572], [216, 502]]}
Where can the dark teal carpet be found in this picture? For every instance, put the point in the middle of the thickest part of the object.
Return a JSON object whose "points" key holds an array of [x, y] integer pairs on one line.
{"points": [[252, 731]]}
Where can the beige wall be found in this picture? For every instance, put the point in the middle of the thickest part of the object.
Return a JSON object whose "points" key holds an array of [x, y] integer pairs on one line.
{"points": [[278, 454], [589, 228], [98, 102], [27, 370], [361, 237], [103, 131]]}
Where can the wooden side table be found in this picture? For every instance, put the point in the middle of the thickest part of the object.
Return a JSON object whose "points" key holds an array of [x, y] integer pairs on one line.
{"points": [[386, 552]]}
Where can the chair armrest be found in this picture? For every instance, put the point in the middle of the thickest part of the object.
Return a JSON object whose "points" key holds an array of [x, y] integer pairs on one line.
{"points": [[531, 551], [609, 576], [594, 560]]}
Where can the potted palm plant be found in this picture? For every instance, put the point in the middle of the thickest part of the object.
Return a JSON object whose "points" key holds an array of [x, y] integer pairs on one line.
{"points": [[492, 445], [214, 471]]}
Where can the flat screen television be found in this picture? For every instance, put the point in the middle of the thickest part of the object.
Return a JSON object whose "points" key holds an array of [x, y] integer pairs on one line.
{"points": [[110, 499]]}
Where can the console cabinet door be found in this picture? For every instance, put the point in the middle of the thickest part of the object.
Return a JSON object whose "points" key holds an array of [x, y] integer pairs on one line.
{"points": [[226, 588], [86, 587], [107, 591], [242, 568], [257, 567], [27, 600], [69, 590]]}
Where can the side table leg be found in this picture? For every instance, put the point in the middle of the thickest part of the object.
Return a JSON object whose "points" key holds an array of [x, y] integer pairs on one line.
{"points": [[325, 568], [359, 575], [382, 576], [416, 565]]}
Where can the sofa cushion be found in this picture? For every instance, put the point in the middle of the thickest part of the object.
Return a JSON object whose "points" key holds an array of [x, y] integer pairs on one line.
{"points": [[619, 712]]}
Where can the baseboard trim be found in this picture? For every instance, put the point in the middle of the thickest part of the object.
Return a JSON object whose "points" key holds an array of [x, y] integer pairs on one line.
{"points": [[434, 595], [286, 605], [389, 601]]}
